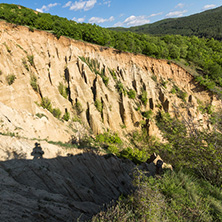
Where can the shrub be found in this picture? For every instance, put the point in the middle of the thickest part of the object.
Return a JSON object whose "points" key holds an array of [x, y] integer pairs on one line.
{"points": [[143, 97], [164, 83], [56, 112], [154, 78], [76, 119], [198, 149], [105, 80], [131, 94], [113, 149], [136, 155], [63, 90], [7, 48], [31, 59], [40, 115], [113, 74], [66, 116], [99, 105], [108, 138], [25, 64], [147, 114], [46, 103], [78, 107], [180, 93], [10, 79], [120, 88], [33, 83]]}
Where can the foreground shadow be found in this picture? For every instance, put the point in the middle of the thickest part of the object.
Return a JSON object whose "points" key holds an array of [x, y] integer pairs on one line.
{"points": [[62, 189]]}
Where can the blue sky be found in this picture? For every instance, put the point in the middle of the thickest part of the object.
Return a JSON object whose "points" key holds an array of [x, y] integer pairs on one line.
{"points": [[125, 13]]}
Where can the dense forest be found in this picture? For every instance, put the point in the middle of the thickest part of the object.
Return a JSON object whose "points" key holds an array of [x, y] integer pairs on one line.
{"points": [[206, 24], [202, 53]]}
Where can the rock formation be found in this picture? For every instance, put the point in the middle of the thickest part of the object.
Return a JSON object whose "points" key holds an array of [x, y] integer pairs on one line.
{"points": [[74, 75]]}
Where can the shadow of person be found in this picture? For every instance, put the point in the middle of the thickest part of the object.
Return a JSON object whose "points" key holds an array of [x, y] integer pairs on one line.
{"points": [[37, 152]]}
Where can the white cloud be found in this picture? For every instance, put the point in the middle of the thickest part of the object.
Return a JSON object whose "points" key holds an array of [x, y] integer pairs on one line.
{"points": [[100, 20], [180, 5], [108, 3], [79, 5], [46, 7], [153, 15], [90, 4], [209, 7], [79, 19], [68, 4], [176, 13], [134, 21]]}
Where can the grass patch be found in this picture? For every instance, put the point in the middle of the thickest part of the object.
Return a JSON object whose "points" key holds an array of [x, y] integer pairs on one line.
{"points": [[180, 93], [10, 79], [40, 115]]}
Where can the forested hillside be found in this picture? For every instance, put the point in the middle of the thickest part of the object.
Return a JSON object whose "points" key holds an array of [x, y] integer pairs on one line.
{"points": [[206, 24]]}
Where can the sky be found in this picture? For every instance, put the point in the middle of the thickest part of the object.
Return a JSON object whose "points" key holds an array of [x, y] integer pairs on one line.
{"points": [[113, 13]]}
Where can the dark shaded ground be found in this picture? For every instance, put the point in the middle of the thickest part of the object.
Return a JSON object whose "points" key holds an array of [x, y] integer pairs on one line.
{"points": [[61, 189]]}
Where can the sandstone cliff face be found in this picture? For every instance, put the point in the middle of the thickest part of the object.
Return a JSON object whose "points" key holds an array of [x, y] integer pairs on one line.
{"points": [[61, 61]]}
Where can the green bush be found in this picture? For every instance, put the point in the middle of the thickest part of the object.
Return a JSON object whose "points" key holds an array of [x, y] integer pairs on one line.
{"points": [[34, 83], [10, 79], [76, 119], [40, 115], [108, 138], [99, 105], [154, 78], [120, 88], [56, 112], [113, 73], [143, 97], [147, 114], [180, 93], [131, 94], [136, 155], [46, 104], [7, 47], [25, 64], [113, 149], [31, 59], [63, 90], [164, 83], [105, 80], [78, 107], [66, 116]]}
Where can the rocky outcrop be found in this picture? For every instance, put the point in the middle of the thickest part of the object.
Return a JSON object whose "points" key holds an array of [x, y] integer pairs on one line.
{"points": [[88, 73], [61, 189]]}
